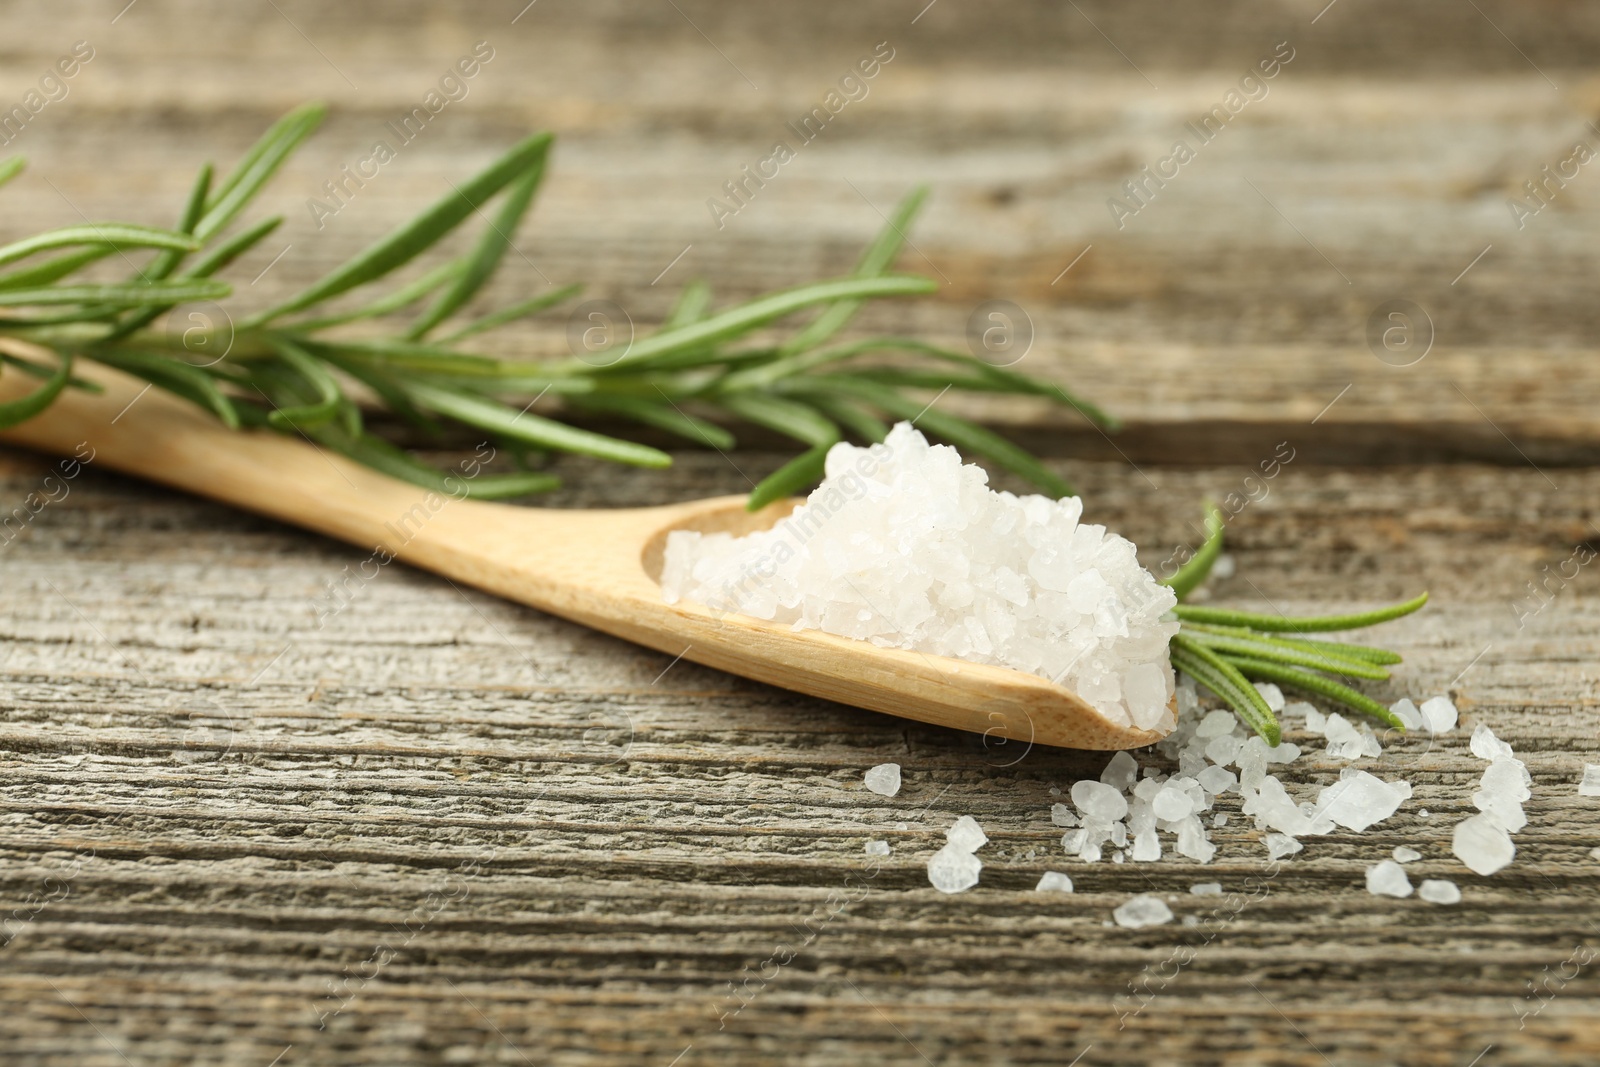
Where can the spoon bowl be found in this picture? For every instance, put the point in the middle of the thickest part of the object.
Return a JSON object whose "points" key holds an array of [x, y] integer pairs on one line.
{"points": [[600, 568]]}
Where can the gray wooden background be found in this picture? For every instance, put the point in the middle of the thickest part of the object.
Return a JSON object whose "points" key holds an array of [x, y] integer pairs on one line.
{"points": [[444, 829]]}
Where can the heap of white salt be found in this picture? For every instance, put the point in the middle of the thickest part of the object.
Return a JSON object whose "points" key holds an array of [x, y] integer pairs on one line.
{"points": [[905, 546]]}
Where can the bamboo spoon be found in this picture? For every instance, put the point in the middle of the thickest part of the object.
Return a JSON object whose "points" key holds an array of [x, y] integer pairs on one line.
{"points": [[596, 567]]}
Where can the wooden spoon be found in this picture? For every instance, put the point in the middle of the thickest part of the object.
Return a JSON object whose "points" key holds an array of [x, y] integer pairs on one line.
{"points": [[596, 567]]}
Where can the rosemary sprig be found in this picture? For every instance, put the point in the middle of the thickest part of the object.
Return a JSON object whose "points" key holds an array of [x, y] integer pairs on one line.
{"points": [[1223, 649], [292, 367]]}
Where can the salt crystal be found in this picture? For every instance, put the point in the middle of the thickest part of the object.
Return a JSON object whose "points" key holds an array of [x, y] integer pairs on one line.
{"points": [[1218, 779], [1362, 800], [1344, 740], [1485, 745], [1143, 910], [1295, 709], [1192, 841], [1172, 803], [1407, 713], [1073, 840], [1062, 815], [953, 870], [1146, 846], [1216, 723], [1099, 801], [1206, 889], [1219, 820], [1271, 694], [1423, 813], [1402, 854], [1121, 772], [1388, 879], [1223, 567], [1594, 853], [904, 545], [877, 848], [1281, 845], [1286, 752], [1439, 891], [1439, 715], [1483, 844], [1053, 881], [1223, 750], [1316, 722], [966, 835], [1590, 786], [884, 779]]}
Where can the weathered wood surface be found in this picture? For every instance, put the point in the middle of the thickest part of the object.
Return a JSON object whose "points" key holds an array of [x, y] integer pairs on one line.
{"points": [[456, 831]]}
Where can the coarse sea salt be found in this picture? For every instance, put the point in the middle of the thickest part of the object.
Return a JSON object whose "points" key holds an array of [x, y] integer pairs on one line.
{"points": [[1388, 879], [1439, 891], [905, 546], [1590, 786], [1143, 910], [1053, 881], [884, 779]]}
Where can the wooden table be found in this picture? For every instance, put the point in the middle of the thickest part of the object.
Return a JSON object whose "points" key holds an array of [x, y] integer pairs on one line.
{"points": [[444, 829]]}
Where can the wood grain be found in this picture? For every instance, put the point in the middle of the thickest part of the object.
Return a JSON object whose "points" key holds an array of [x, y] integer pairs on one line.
{"points": [[452, 830]]}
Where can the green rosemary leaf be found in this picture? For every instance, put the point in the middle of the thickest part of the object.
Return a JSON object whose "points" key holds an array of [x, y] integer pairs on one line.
{"points": [[26, 407], [53, 270], [310, 370], [1280, 652], [1198, 568], [516, 311], [398, 300], [1225, 680], [762, 310], [1299, 624], [692, 305], [481, 264], [116, 294], [785, 416], [381, 383], [801, 471], [422, 232], [964, 435], [222, 256], [532, 429], [1312, 683], [175, 377], [257, 168], [381, 456], [661, 416], [401, 355], [119, 235], [12, 167], [853, 417], [1339, 649], [168, 259], [876, 260]]}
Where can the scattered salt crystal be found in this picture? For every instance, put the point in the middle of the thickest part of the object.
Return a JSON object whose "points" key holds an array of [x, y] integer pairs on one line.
{"points": [[905, 546], [1053, 881], [1361, 800], [966, 835], [1439, 715], [1271, 694], [1119, 857], [1223, 567], [884, 779], [1172, 803], [1099, 801], [1206, 889], [1483, 844], [1590, 786], [1223, 750], [1295, 709], [1285, 752], [1192, 841], [953, 870], [1143, 910], [1316, 722], [1407, 713], [1121, 772], [1216, 723], [1485, 745], [1281, 845], [1439, 891], [1423, 813], [1219, 820], [1344, 740], [1146, 846], [1388, 879], [1073, 840], [1402, 854], [1216, 779], [877, 848], [1504, 788], [1062, 815], [1594, 853]]}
